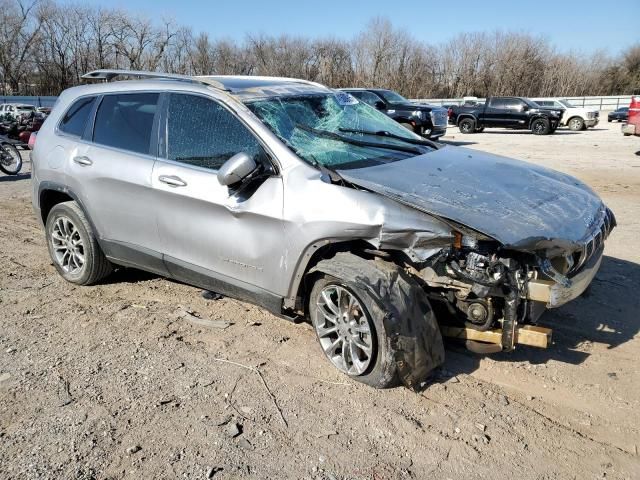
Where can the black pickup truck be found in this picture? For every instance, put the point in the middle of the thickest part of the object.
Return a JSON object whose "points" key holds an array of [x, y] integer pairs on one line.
{"points": [[427, 120], [505, 112]]}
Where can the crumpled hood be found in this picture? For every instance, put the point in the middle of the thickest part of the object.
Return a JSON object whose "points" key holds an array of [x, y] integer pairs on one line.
{"points": [[523, 206]]}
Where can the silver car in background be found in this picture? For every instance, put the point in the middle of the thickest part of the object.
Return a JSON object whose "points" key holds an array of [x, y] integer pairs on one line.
{"points": [[313, 205]]}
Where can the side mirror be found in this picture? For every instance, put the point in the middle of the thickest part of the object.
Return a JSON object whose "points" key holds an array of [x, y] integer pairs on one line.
{"points": [[525, 108], [236, 169], [380, 105]]}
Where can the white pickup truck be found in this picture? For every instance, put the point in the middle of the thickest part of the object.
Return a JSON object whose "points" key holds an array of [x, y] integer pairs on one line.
{"points": [[576, 118]]}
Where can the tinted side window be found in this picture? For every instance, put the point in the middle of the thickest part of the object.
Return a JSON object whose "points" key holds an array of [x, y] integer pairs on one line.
{"points": [[203, 133], [497, 103], [125, 121], [512, 103], [369, 98], [74, 121]]}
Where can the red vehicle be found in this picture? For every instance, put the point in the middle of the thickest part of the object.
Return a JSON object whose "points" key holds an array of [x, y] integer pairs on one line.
{"points": [[632, 127]]}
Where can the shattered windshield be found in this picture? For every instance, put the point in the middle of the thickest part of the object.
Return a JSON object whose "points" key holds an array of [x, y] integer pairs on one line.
{"points": [[337, 131]]}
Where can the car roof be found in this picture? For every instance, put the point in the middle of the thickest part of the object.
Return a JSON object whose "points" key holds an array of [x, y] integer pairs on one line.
{"points": [[361, 89], [242, 87], [248, 87]]}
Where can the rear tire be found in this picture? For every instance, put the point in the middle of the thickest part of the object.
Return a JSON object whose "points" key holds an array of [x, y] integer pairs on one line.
{"points": [[467, 125], [10, 159], [73, 247], [576, 124], [540, 126]]}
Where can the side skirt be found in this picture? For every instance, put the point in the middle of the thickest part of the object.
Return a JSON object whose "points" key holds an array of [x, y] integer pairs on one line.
{"points": [[133, 256], [204, 278]]}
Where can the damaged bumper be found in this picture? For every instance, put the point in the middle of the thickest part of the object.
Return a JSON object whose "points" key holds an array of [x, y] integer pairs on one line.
{"points": [[554, 294]]}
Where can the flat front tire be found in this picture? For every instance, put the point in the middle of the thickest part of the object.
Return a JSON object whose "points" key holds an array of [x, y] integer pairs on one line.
{"points": [[352, 338], [73, 247], [374, 322]]}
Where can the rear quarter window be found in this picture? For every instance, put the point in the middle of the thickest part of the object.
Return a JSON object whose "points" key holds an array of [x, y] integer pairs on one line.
{"points": [[125, 121], [75, 120]]}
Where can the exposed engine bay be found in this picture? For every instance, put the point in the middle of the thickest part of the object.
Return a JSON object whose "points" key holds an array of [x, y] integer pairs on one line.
{"points": [[479, 285]]}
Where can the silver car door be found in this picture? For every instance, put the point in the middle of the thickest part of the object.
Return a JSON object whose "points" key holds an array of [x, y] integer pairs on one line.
{"points": [[212, 234], [111, 171]]}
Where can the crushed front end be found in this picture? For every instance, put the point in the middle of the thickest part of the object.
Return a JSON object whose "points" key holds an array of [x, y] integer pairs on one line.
{"points": [[478, 284]]}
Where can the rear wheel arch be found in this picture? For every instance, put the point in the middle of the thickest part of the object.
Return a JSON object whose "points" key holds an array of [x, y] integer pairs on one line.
{"points": [[51, 194], [49, 198], [466, 115]]}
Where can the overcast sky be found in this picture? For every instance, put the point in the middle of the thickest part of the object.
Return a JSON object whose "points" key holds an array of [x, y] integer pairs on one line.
{"points": [[585, 25]]}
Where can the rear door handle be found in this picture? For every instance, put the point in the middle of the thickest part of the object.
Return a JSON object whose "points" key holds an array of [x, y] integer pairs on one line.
{"points": [[172, 180], [82, 160]]}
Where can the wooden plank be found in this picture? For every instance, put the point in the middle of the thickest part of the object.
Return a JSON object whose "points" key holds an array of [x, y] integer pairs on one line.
{"points": [[530, 335], [490, 336], [534, 336]]}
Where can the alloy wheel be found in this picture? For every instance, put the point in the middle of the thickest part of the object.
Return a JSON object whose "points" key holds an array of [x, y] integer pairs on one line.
{"points": [[344, 329], [68, 246]]}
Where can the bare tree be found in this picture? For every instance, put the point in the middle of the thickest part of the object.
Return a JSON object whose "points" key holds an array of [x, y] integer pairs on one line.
{"points": [[46, 46]]}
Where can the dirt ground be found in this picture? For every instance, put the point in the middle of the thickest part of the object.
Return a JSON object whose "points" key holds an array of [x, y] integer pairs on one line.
{"points": [[116, 381]]}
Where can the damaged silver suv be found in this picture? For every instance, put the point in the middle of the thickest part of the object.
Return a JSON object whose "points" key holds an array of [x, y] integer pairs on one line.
{"points": [[314, 205]]}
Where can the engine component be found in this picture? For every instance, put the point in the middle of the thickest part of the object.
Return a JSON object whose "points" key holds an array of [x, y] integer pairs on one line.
{"points": [[480, 269], [480, 314]]}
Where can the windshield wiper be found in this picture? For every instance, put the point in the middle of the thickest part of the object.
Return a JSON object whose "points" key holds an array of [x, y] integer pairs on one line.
{"points": [[360, 143], [384, 133]]}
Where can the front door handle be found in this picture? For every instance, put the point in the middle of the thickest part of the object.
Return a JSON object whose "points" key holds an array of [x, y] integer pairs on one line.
{"points": [[172, 180], [83, 161]]}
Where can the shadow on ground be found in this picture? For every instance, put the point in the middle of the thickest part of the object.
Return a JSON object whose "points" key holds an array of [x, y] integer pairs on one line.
{"points": [[128, 275], [526, 132], [607, 314], [15, 178]]}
